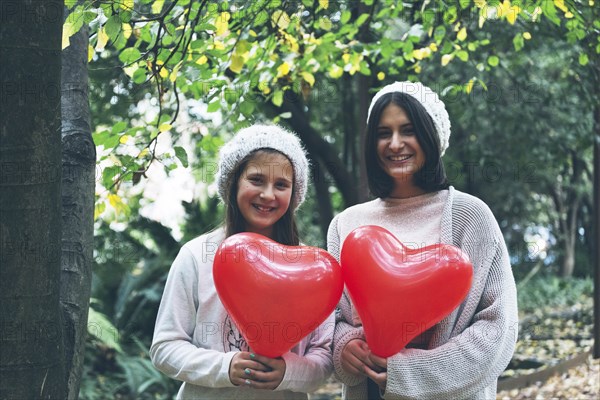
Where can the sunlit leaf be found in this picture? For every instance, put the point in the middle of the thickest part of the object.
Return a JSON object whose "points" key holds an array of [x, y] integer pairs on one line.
{"points": [[181, 154], [278, 98], [157, 6], [164, 127], [493, 61], [102, 40], [283, 69], [309, 78], [280, 19]]}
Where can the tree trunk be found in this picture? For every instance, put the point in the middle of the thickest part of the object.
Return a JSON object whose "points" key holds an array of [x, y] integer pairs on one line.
{"points": [[364, 83], [31, 347], [568, 264], [596, 223], [78, 162], [319, 148], [323, 198]]}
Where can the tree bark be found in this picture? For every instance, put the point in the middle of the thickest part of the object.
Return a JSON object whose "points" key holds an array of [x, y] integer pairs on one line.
{"points": [[596, 231], [31, 347], [78, 163], [364, 83], [323, 198]]}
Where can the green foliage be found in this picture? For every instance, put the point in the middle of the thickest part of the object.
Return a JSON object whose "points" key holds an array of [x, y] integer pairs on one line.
{"points": [[122, 375], [550, 292], [130, 271]]}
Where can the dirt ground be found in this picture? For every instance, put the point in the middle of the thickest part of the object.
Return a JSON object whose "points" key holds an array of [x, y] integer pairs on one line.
{"points": [[579, 383]]}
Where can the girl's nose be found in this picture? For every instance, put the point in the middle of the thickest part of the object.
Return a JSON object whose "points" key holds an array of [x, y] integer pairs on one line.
{"points": [[267, 193], [396, 142]]}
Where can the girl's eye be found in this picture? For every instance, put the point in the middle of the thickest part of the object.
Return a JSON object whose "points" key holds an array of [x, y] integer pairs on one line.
{"points": [[408, 130], [255, 180], [283, 185], [384, 133]]}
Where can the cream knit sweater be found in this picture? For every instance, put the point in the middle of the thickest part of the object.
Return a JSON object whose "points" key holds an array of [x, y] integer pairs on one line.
{"points": [[471, 347]]}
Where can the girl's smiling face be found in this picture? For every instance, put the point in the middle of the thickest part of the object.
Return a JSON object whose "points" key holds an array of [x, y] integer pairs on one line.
{"points": [[399, 152], [265, 191]]}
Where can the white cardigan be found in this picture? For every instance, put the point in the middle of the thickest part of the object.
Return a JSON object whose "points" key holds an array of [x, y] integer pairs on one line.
{"points": [[470, 348]]}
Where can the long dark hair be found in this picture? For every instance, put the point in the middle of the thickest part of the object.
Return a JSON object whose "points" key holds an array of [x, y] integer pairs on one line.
{"points": [[285, 230], [432, 176]]}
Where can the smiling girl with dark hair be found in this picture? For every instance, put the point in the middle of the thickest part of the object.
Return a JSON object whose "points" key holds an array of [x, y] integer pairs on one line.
{"points": [[462, 356]]}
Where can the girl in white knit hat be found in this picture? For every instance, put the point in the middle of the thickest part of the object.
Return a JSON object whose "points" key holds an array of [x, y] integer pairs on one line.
{"points": [[262, 179], [462, 356]]}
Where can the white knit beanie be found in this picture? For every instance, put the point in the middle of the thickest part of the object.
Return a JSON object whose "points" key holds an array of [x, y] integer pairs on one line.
{"points": [[257, 137], [429, 99]]}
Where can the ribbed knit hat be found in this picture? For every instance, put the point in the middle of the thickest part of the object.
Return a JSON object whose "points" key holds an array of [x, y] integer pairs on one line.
{"points": [[257, 137], [429, 99]]}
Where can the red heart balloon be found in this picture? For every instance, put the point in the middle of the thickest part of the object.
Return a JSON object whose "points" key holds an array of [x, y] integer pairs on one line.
{"points": [[400, 292], [275, 294]]}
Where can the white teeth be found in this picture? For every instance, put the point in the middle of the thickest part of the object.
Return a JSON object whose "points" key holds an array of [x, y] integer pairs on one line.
{"points": [[263, 208], [399, 158]]}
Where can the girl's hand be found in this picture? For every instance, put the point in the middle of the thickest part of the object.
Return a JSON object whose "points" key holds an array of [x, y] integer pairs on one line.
{"points": [[242, 365], [355, 357], [379, 373], [257, 372], [267, 379]]}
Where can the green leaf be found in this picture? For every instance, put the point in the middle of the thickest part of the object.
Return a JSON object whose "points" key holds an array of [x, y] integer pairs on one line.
{"points": [[119, 127], [111, 141], [462, 55], [550, 12], [518, 42], [214, 106], [101, 328], [493, 61], [450, 15], [139, 76], [325, 23], [181, 154], [278, 98], [89, 16], [362, 19], [364, 68], [129, 55], [247, 108], [346, 15], [113, 27], [125, 16], [261, 18], [583, 59], [387, 50], [439, 33], [70, 3], [100, 137], [109, 174], [157, 6], [206, 27]]}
